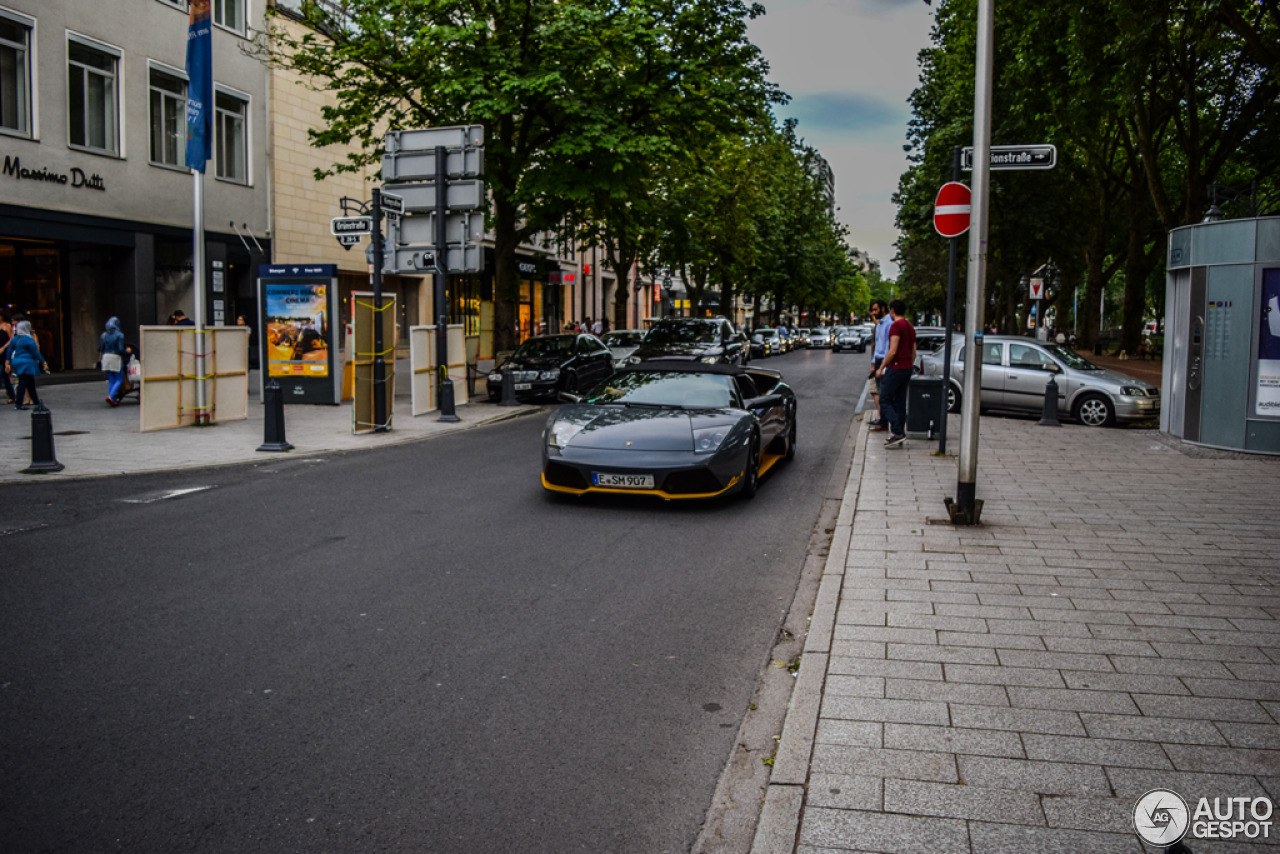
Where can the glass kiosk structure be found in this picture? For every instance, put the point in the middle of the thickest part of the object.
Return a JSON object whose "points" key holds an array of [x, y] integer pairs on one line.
{"points": [[1222, 335]]}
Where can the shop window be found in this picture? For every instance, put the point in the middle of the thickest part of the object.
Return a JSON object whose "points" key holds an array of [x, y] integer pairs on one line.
{"points": [[15, 74], [231, 148], [229, 14], [168, 118], [92, 97]]}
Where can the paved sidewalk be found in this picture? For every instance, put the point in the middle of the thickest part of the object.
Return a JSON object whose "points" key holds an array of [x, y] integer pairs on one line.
{"points": [[91, 438], [1112, 627]]}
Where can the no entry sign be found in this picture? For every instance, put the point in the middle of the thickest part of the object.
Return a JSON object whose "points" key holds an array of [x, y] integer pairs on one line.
{"points": [[951, 209]]}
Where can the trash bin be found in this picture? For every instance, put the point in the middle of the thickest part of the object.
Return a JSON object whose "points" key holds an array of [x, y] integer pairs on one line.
{"points": [[924, 406]]}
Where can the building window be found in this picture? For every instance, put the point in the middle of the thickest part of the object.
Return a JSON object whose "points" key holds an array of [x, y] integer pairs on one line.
{"points": [[15, 76], [168, 118], [229, 14], [92, 105], [231, 137]]}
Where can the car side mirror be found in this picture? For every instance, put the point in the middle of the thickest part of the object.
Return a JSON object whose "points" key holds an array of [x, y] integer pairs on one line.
{"points": [[570, 397], [764, 401], [1053, 368]]}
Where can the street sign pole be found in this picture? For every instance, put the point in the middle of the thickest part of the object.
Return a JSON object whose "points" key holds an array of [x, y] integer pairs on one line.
{"points": [[379, 363], [447, 412], [966, 509], [951, 299]]}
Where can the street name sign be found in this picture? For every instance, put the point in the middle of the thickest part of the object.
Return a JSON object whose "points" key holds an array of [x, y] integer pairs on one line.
{"points": [[346, 241], [351, 225], [392, 204], [952, 209], [1015, 157], [420, 229]]}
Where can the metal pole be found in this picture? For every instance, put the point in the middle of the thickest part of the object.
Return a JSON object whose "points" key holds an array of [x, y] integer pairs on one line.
{"points": [[379, 363], [975, 296], [198, 284], [442, 325], [951, 299]]}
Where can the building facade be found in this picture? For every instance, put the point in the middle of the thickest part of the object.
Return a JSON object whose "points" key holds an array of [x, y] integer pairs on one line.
{"points": [[96, 204]]}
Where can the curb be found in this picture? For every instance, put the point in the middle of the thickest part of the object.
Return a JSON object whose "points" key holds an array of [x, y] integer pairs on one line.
{"points": [[784, 798]]}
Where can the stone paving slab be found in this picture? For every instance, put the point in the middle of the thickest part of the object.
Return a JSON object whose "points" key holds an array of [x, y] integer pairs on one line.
{"points": [[1112, 627]]}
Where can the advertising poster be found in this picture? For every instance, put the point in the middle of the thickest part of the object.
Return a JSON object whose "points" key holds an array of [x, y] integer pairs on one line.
{"points": [[1268, 390], [297, 329]]}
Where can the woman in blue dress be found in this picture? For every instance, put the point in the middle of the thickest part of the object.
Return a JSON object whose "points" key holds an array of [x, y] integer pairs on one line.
{"points": [[25, 362], [111, 355]]}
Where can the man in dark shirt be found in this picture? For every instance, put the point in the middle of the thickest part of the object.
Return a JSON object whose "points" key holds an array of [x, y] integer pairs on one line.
{"points": [[895, 373]]}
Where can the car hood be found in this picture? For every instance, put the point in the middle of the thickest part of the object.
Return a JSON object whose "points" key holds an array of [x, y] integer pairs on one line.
{"points": [[638, 428], [1113, 377]]}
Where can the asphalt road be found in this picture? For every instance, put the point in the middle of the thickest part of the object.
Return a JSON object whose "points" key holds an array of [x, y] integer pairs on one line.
{"points": [[409, 649]]}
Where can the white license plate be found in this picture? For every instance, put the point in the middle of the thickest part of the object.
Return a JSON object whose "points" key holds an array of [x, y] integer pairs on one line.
{"points": [[523, 386], [622, 481]]}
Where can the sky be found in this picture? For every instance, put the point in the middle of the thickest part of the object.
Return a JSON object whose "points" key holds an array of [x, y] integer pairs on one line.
{"points": [[849, 67]]}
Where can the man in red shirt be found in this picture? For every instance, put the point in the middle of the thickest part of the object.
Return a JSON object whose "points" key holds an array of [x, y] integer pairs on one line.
{"points": [[895, 373]]}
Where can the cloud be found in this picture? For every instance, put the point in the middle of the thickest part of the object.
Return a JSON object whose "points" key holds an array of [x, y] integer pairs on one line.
{"points": [[852, 112]]}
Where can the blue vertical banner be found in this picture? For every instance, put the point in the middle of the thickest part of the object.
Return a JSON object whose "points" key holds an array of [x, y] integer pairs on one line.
{"points": [[199, 85]]}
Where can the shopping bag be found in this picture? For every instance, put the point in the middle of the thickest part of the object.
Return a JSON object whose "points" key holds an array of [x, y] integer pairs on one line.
{"points": [[134, 372]]}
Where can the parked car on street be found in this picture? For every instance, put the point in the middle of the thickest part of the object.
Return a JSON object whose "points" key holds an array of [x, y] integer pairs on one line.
{"points": [[1015, 371], [770, 342], [820, 338], [848, 338], [622, 343], [707, 340], [929, 339], [801, 335], [671, 429], [546, 365]]}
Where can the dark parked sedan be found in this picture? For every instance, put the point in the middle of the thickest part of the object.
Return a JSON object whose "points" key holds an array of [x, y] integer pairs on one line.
{"points": [[708, 340], [672, 430], [542, 367]]}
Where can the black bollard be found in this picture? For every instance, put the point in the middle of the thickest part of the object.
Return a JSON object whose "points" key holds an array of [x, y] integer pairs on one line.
{"points": [[1050, 416], [42, 459], [273, 421], [508, 390], [447, 412]]}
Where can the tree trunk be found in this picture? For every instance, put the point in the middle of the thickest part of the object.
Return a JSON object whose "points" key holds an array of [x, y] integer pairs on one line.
{"points": [[1136, 269], [506, 275], [1093, 283], [726, 296], [623, 262]]}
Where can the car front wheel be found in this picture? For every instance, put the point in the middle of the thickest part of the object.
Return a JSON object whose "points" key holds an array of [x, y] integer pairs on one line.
{"points": [[1095, 411], [751, 473], [953, 399]]}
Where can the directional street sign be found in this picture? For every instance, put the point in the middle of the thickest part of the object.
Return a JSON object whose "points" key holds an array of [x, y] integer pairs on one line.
{"points": [[460, 195], [351, 225], [420, 229], [421, 165], [1015, 157], [951, 209], [410, 260]]}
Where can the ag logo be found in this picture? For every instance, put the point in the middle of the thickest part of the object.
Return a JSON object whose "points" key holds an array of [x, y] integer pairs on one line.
{"points": [[1161, 817]]}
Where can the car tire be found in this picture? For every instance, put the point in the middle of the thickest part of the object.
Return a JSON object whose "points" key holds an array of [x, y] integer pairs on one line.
{"points": [[953, 399], [791, 438], [571, 382], [1094, 410], [751, 473]]}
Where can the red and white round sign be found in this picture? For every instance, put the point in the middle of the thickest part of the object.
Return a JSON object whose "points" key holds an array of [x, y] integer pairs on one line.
{"points": [[951, 209]]}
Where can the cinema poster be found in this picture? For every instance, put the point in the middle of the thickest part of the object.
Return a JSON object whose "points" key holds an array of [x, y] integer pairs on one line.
{"points": [[298, 339]]}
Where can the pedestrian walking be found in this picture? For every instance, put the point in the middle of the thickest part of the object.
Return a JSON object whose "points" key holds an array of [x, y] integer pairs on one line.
{"points": [[895, 373], [25, 362], [6, 334], [111, 355], [880, 315], [597, 328]]}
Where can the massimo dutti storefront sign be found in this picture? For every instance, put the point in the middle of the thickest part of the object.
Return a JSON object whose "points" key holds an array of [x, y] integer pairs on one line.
{"points": [[75, 178]]}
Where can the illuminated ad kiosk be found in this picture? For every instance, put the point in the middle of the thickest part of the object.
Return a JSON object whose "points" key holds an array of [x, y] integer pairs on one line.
{"points": [[297, 332]]}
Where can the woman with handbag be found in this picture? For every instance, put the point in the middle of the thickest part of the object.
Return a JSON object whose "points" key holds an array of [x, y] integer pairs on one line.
{"points": [[25, 362], [111, 359]]}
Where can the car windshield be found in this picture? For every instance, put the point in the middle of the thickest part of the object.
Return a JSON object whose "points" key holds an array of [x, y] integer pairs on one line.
{"points": [[1071, 358], [683, 333], [822, 330], [665, 389], [546, 345], [623, 339]]}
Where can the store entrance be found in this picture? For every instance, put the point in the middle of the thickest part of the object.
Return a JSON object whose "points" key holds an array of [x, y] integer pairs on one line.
{"points": [[31, 283]]}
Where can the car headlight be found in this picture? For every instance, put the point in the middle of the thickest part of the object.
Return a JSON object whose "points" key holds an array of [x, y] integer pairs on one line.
{"points": [[633, 360], [495, 377], [709, 360], [561, 433], [552, 374], [708, 439], [1132, 391]]}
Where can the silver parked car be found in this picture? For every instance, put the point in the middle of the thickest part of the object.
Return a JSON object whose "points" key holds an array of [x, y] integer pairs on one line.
{"points": [[820, 337], [1015, 371]]}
